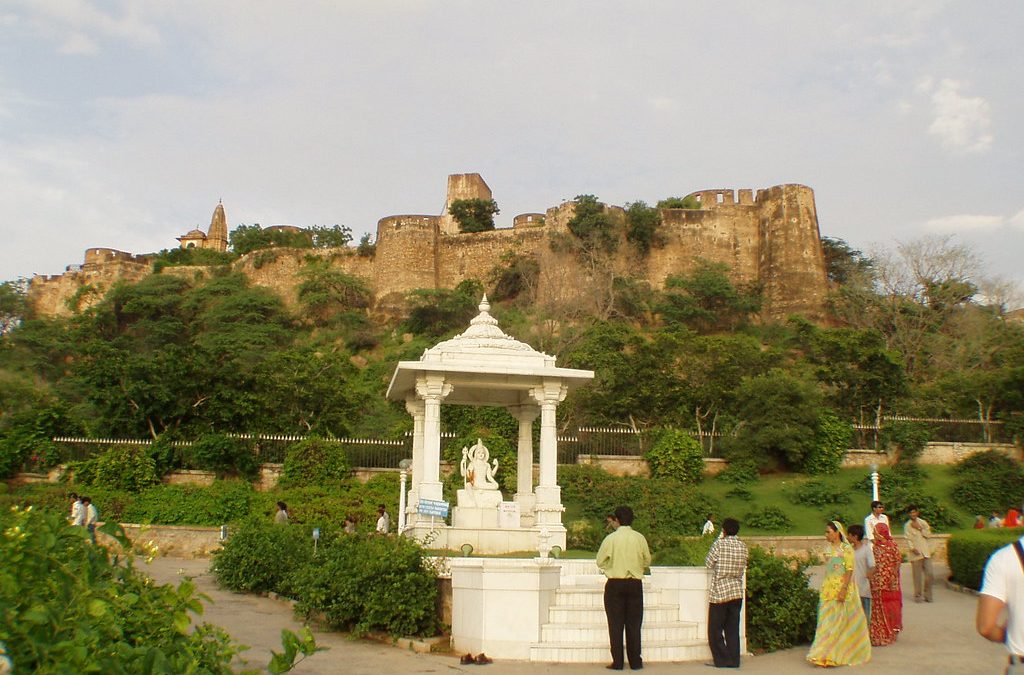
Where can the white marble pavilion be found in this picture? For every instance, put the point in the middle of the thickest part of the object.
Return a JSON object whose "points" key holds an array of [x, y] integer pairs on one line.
{"points": [[484, 366]]}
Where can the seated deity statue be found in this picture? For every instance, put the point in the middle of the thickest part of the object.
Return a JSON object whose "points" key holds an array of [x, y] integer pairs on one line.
{"points": [[481, 488]]}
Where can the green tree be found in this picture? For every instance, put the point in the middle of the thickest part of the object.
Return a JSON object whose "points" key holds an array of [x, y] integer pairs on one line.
{"points": [[335, 236], [12, 304], [248, 238], [688, 202], [844, 264], [642, 223], [435, 312], [328, 293], [707, 300], [474, 215], [593, 226]]}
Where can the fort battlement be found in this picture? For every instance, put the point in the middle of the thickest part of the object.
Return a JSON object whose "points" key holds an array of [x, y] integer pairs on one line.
{"points": [[769, 236]]}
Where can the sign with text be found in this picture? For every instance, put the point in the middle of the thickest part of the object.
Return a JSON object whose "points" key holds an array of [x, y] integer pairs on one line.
{"points": [[508, 515], [433, 507]]}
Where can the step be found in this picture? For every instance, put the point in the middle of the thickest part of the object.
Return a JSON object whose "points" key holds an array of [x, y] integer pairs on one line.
{"points": [[653, 652], [586, 634], [584, 614], [594, 597]]}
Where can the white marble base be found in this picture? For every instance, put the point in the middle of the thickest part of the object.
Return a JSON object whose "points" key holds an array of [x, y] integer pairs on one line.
{"points": [[484, 540], [474, 518]]}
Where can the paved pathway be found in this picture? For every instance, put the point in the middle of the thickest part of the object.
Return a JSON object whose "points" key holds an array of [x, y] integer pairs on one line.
{"points": [[938, 639]]}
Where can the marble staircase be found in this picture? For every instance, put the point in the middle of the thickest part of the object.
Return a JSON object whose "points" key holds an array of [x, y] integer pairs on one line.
{"points": [[577, 630]]}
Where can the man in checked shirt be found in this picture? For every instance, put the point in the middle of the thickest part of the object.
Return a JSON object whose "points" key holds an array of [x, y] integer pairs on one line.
{"points": [[727, 561]]}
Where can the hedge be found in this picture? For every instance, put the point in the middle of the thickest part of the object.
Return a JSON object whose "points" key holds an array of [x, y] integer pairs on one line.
{"points": [[968, 552]]}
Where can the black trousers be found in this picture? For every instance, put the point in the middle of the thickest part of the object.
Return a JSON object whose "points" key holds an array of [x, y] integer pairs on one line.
{"points": [[724, 632], [624, 607]]}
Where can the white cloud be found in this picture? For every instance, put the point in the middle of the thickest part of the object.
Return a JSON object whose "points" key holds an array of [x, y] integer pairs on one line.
{"points": [[965, 222], [961, 122], [77, 43], [75, 24]]}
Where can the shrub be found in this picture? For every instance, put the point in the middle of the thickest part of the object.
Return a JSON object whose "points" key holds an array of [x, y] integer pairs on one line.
{"points": [[676, 454], [68, 606], [166, 457], [686, 552], [938, 515], [831, 441], [121, 467], [225, 501], [740, 493], [781, 609], [474, 215], [260, 556], [986, 481], [315, 461], [817, 493], [740, 472], [583, 535], [968, 552], [224, 456], [768, 518], [907, 438], [369, 582]]}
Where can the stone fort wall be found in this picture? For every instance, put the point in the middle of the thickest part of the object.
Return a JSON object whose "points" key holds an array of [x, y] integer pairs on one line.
{"points": [[769, 237]]}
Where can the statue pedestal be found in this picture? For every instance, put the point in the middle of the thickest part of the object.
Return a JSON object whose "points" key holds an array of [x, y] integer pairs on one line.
{"points": [[472, 517]]}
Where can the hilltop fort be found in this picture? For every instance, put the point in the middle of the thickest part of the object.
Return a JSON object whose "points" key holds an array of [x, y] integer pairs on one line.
{"points": [[769, 237]]}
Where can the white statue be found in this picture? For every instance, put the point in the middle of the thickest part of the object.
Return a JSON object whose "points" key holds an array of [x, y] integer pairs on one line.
{"points": [[481, 489]]}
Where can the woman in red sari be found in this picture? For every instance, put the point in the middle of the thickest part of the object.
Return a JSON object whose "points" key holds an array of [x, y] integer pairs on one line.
{"points": [[886, 595]]}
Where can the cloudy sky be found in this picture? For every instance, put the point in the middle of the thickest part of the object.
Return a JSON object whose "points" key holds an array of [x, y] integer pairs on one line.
{"points": [[123, 123]]}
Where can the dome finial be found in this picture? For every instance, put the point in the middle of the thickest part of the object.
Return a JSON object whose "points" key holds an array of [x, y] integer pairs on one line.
{"points": [[484, 306]]}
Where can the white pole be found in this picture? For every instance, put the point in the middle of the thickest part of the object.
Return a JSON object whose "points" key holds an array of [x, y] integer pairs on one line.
{"points": [[874, 482], [401, 502]]}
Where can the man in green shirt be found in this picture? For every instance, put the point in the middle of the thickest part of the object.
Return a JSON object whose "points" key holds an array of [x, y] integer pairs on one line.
{"points": [[622, 558]]}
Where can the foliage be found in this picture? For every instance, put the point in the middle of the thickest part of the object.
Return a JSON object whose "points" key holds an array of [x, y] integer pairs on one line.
{"points": [[500, 448], [844, 264], [248, 238], [686, 552], [770, 518], [584, 535], [120, 467], [779, 415], [909, 438], [224, 501], [516, 276], [688, 202], [817, 493], [334, 236], [12, 304], [593, 226], [223, 455], [328, 292], [68, 606], [831, 441], [260, 556], [434, 312], [938, 514], [968, 551], [180, 257], [987, 481], [314, 461], [676, 454], [642, 223], [366, 248], [781, 609], [707, 300], [474, 215], [740, 472]]}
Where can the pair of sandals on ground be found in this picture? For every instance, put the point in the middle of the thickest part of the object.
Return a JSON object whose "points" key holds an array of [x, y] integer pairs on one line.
{"points": [[480, 659]]}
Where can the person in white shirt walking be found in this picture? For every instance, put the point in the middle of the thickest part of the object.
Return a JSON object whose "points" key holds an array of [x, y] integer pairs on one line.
{"points": [[709, 526], [917, 531], [876, 516]]}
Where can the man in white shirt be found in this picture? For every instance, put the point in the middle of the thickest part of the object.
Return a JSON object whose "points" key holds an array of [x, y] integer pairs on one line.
{"points": [[1002, 587], [877, 516], [383, 520], [863, 567], [77, 511], [709, 526]]}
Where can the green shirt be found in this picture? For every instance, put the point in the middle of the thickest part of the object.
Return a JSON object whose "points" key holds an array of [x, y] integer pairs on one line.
{"points": [[624, 554]]}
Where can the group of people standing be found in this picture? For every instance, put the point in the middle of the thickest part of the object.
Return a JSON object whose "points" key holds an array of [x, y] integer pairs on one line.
{"points": [[84, 514], [861, 601], [282, 517]]}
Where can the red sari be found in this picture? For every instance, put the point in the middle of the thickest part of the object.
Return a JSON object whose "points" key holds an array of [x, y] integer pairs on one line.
{"points": [[886, 595]]}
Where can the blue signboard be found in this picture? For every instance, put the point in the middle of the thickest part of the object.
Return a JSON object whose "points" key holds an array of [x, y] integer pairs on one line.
{"points": [[433, 507]]}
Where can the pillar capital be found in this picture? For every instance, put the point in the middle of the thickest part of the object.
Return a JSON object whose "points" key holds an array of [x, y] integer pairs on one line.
{"points": [[414, 406], [432, 387], [551, 392], [524, 413]]}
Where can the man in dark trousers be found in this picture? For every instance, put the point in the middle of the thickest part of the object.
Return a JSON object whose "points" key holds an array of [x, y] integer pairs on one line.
{"points": [[622, 558], [727, 561]]}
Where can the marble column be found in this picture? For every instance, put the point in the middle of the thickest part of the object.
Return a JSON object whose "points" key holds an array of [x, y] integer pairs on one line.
{"points": [[525, 415], [432, 389], [415, 407], [549, 495]]}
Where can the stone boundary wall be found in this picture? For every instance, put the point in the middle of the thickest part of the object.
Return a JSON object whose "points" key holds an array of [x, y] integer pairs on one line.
{"points": [[805, 547]]}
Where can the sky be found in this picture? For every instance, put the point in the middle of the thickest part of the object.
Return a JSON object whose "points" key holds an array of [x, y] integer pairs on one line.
{"points": [[122, 124]]}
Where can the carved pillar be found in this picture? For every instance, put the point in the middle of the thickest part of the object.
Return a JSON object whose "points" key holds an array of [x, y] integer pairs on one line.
{"points": [[432, 389], [525, 414], [415, 407], [549, 497]]}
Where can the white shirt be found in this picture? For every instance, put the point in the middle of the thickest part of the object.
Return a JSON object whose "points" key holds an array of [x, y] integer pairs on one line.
{"points": [[77, 514], [384, 523], [869, 525], [91, 515], [1004, 581], [863, 560], [709, 528]]}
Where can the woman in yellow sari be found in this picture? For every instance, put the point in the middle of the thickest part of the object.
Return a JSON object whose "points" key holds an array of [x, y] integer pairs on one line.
{"points": [[841, 638]]}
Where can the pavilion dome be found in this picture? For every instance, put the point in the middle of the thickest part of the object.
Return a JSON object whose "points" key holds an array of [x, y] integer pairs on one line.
{"points": [[485, 343]]}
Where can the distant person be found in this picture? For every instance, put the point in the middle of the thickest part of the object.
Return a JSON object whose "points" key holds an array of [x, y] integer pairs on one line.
{"points": [[917, 531], [1012, 518], [281, 517], [92, 516], [727, 561], [350, 525], [863, 565], [77, 517], [383, 520], [886, 595], [1002, 588], [709, 526], [876, 516], [995, 520], [622, 558], [610, 523], [841, 637], [979, 522]]}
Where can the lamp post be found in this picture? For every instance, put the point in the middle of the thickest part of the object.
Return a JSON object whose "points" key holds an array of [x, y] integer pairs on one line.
{"points": [[874, 482], [403, 468]]}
